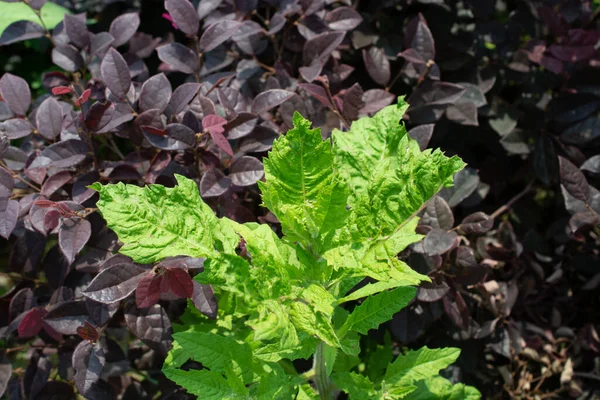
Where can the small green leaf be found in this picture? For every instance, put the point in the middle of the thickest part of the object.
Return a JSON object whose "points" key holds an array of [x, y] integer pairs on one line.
{"points": [[420, 364], [377, 309], [312, 322], [439, 388]]}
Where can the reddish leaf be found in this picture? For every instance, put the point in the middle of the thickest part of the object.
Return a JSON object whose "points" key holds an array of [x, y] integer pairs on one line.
{"points": [[83, 98], [59, 90], [221, 141], [32, 322], [179, 281], [88, 332], [148, 290]]}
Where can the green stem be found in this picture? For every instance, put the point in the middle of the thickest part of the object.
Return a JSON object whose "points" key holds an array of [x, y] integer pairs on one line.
{"points": [[321, 378]]}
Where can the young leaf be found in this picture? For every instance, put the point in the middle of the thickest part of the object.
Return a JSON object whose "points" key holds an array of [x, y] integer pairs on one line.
{"points": [[152, 224], [301, 188], [377, 309]]}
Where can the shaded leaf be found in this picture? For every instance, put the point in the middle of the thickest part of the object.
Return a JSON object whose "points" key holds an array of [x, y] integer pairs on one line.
{"points": [[151, 325], [477, 223], [343, 19], [419, 37], [19, 31], [573, 180], [67, 57], [65, 317], [422, 134], [375, 100]]}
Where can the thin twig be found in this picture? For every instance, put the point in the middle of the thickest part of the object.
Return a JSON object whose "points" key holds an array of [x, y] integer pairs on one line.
{"points": [[512, 201], [422, 78], [335, 107]]}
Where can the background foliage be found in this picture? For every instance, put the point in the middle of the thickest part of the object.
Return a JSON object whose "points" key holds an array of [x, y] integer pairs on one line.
{"points": [[511, 87]]}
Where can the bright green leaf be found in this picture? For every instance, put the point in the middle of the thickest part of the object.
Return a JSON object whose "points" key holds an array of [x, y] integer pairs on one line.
{"points": [[420, 364], [208, 385], [51, 14]]}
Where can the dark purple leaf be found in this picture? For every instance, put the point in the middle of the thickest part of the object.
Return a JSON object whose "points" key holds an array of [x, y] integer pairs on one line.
{"points": [[318, 92], [377, 65], [181, 97], [100, 313], [204, 299], [16, 128], [214, 183], [80, 192], [160, 161], [217, 33], [418, 37], [179, 57], [436, 93], [181, 133], [464, 113], [456, 309], [465, 257], [375, 100], [9, 214], [155, 93], [67, 57], [261, 139], [246, 171], [76, 29], [55, 182], [321, 46], [119, 113], [573, 107], [465, 183], [15, 92], [438, 214], [27, 252], [115, 283], [422, 134], [88, 362], [65, 317], [439, 242], [477, 223], [49, 118], [592, 165], [5, 374], [67, 153], [100, 43], [55, 265], [36, 376], [242, 125], [353, 102], [205, 7], [148, 290], [19, 31], [14, 158], [151, 325], [7, 183], [115, 73], [343, 19], [573, 180], [22, 301], [269, 99], [99, 115], [73, 235], [430, 292], [124, 27], [184, 15], [545, 161]]}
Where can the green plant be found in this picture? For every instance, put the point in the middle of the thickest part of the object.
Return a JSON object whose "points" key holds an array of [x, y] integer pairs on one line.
{"points": [[346, 208]]}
